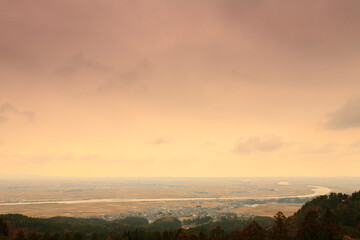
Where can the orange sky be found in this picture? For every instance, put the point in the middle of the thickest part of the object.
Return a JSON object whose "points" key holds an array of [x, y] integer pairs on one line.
{"points": [[221, 88]]}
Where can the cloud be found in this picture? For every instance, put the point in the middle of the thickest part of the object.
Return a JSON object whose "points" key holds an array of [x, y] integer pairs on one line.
{"points": [[312, 34], [347, 116], [10, 57], [326, 148], [37, 158], [90, 157], [159, 141], [210, 143], [268, 143], [354, 147], [133, 78], [78, 62], [356, 144], [7, 109]]}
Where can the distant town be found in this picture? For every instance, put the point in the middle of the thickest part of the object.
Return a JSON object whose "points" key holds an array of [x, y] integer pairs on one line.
{"points": [[223, 209]]}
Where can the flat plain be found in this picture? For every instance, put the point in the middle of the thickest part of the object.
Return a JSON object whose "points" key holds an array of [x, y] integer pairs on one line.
{"points": [[40, 197]]}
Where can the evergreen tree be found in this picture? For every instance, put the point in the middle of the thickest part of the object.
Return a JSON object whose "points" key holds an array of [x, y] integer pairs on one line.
{"points": [[329, 229], [47, 236], [67, 236], [177, 233], [126, 235], [115, 237], [78, 236], [217, 234], [136, 235], [34, 236], [183, 236], [235, 235], [193, 237], [165, 235], [20, 235], [55, 236], [253, 232], [171, 234], [157, 235], [94, 236], [280, 230], [202, 235], [4, 229], [356, 232], [309, 228]]}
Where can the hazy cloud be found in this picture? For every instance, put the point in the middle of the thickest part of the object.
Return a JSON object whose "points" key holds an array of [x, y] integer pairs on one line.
{"points": [[37, 158], [7, 109], [210, 143], [79, 62], [303, 29], [159, 141], [268, 143], [90, 157], [13, 58], [135, 77], [356, 144], [347, 116], [326, 148]]}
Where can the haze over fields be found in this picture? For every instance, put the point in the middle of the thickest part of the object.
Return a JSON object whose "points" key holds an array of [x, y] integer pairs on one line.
{"points": [[153, 198]]}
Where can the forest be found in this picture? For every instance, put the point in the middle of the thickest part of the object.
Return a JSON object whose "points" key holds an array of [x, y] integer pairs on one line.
{"points": [[334, 216]]}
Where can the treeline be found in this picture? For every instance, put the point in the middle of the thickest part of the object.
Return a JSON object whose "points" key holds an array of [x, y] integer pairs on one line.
{"points": [[332, 217], [336, 215], [104, 228], [83, 225]]}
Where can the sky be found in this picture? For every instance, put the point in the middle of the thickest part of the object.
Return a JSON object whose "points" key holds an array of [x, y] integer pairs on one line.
{"points": [[221, 88]]}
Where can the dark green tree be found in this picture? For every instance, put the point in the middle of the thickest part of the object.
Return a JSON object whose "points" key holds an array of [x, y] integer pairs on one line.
{"points": [[34, 236], [329, 229], [280, 230], [157, 235], [217, 234], [309, 228], [4, 229], [94, 236], [55, 236], [78, 236], [165, 235], [67, 236], [356, 232], [193, 237], [47, 236], [20, 235], [136, 235], [177, 233], [253, 232], [235, 235], [171, 234], [126, 235], [183, 236], [202, 235]]}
